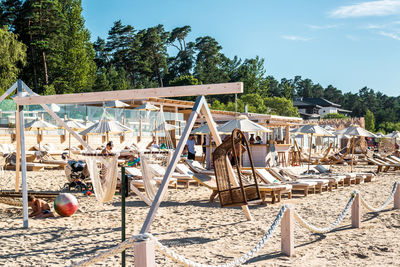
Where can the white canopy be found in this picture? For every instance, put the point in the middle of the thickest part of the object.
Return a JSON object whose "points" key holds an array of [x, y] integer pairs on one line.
{"points": [[312, 129], [106, 125], [40, 124], [147, 107], [243, 124], [356, 131]]}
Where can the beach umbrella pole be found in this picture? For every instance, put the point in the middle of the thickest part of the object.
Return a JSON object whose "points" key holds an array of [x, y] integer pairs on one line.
{"points": [[309, 155], [352, 155]]}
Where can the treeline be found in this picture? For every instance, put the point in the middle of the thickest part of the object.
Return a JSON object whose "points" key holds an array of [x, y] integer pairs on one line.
{"points": [[47, 45]]}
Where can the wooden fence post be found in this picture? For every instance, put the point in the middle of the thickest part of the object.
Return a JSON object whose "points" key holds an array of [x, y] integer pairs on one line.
{"points": [[356, 212], [287, 232], [397, 198], [144, 253]]}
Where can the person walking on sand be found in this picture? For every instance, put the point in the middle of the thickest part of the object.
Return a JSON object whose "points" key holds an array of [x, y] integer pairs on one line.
{"points": [[191, 142], [40, 208]]}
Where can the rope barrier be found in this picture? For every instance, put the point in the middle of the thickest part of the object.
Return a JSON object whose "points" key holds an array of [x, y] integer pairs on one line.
{"points": [[384, 205], [115, 250], [186, 262], [329, 228]]}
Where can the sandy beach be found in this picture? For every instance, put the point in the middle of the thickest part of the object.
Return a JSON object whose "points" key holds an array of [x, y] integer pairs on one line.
{"points": [[202, 231]]}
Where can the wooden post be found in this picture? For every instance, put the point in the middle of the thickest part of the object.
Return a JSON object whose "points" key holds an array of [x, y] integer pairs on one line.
{"points": [[23, 161], [18, 156], [352, 154], [287, 134], [397, 197], [356, 212], [123, 228], [287, 232], [144, 253]]}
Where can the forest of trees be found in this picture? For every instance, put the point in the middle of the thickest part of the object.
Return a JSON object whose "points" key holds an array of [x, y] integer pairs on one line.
{"points": [[47, 45]]}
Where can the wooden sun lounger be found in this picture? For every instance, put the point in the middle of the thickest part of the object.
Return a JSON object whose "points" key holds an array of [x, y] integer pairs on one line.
{"points": [[268, 178], [209, 182]]}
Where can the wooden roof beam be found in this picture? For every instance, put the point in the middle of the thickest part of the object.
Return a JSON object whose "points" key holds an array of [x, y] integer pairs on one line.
{"points": [[176, 91]]}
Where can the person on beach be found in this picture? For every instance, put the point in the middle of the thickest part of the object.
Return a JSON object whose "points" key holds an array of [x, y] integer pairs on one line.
{"points": [[191, 142], [40, 208]]}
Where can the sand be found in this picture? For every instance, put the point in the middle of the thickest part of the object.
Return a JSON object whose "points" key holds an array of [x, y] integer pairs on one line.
{"points": [[202, 231]]}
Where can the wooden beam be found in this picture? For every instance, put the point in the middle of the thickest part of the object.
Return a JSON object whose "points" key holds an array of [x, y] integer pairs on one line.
{"points": [[9, 91], [59, 120], [18, 157], [23, 161], [192, 90]]}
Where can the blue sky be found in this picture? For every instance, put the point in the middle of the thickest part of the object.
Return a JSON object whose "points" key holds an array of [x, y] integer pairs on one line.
{"points": [[349, 44]]}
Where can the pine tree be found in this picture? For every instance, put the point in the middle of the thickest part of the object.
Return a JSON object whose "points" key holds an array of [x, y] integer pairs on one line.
{"points": [[78, 66]]}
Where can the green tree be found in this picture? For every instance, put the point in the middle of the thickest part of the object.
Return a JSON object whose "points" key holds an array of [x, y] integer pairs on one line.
{"points": [[281, 106], [209, 61], [153, 53], [9, 12], [12, 55], [78, 69], [369, 121]]}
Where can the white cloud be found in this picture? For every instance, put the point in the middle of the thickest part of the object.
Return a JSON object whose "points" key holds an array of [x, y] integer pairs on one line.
{"points": [[322, 27], [371, 8], [391, 35], [296, 38]]}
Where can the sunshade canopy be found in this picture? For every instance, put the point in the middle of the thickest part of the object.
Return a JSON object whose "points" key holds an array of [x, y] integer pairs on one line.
{"points": [[147, 107], [313, 129], [204, 129], [243, 124], [106, 125], [75, 125], [40, 124], [356, 131], [115, 104], [394, 134], [165, 127]]}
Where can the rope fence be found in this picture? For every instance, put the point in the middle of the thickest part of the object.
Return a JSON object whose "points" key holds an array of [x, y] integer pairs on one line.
{"points": [[286, 217]]}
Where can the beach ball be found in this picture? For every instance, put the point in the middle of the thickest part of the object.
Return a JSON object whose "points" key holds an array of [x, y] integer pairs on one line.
{"points": [[65, 204]]}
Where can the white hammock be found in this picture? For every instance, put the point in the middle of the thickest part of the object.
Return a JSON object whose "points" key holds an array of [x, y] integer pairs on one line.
{"points": [[104, 183]]}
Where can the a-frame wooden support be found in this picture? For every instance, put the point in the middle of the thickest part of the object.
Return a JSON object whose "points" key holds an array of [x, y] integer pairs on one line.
{"points": [[200, 107]]}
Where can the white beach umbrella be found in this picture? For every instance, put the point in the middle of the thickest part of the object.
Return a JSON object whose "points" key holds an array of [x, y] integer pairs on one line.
{"points": [[75, 126], [40, 125], [355, 130], [204, 129], [115, 104], [243, 124], [312, 130], [393, 135], [147, 107], [165, 127]]}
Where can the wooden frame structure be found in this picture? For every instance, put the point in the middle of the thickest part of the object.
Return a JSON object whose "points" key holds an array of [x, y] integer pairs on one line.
{"points": [[200, 107]]}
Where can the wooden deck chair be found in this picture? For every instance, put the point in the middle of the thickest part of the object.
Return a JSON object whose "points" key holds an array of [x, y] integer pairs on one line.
{"points": [[303, 186], [321, 183], [230, 195], [334, 180], [196, 167], [184, 170]]}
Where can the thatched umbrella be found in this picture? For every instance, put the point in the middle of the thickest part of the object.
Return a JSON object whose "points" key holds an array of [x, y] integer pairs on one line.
{"points": [[40, 125], [106, 126]]}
